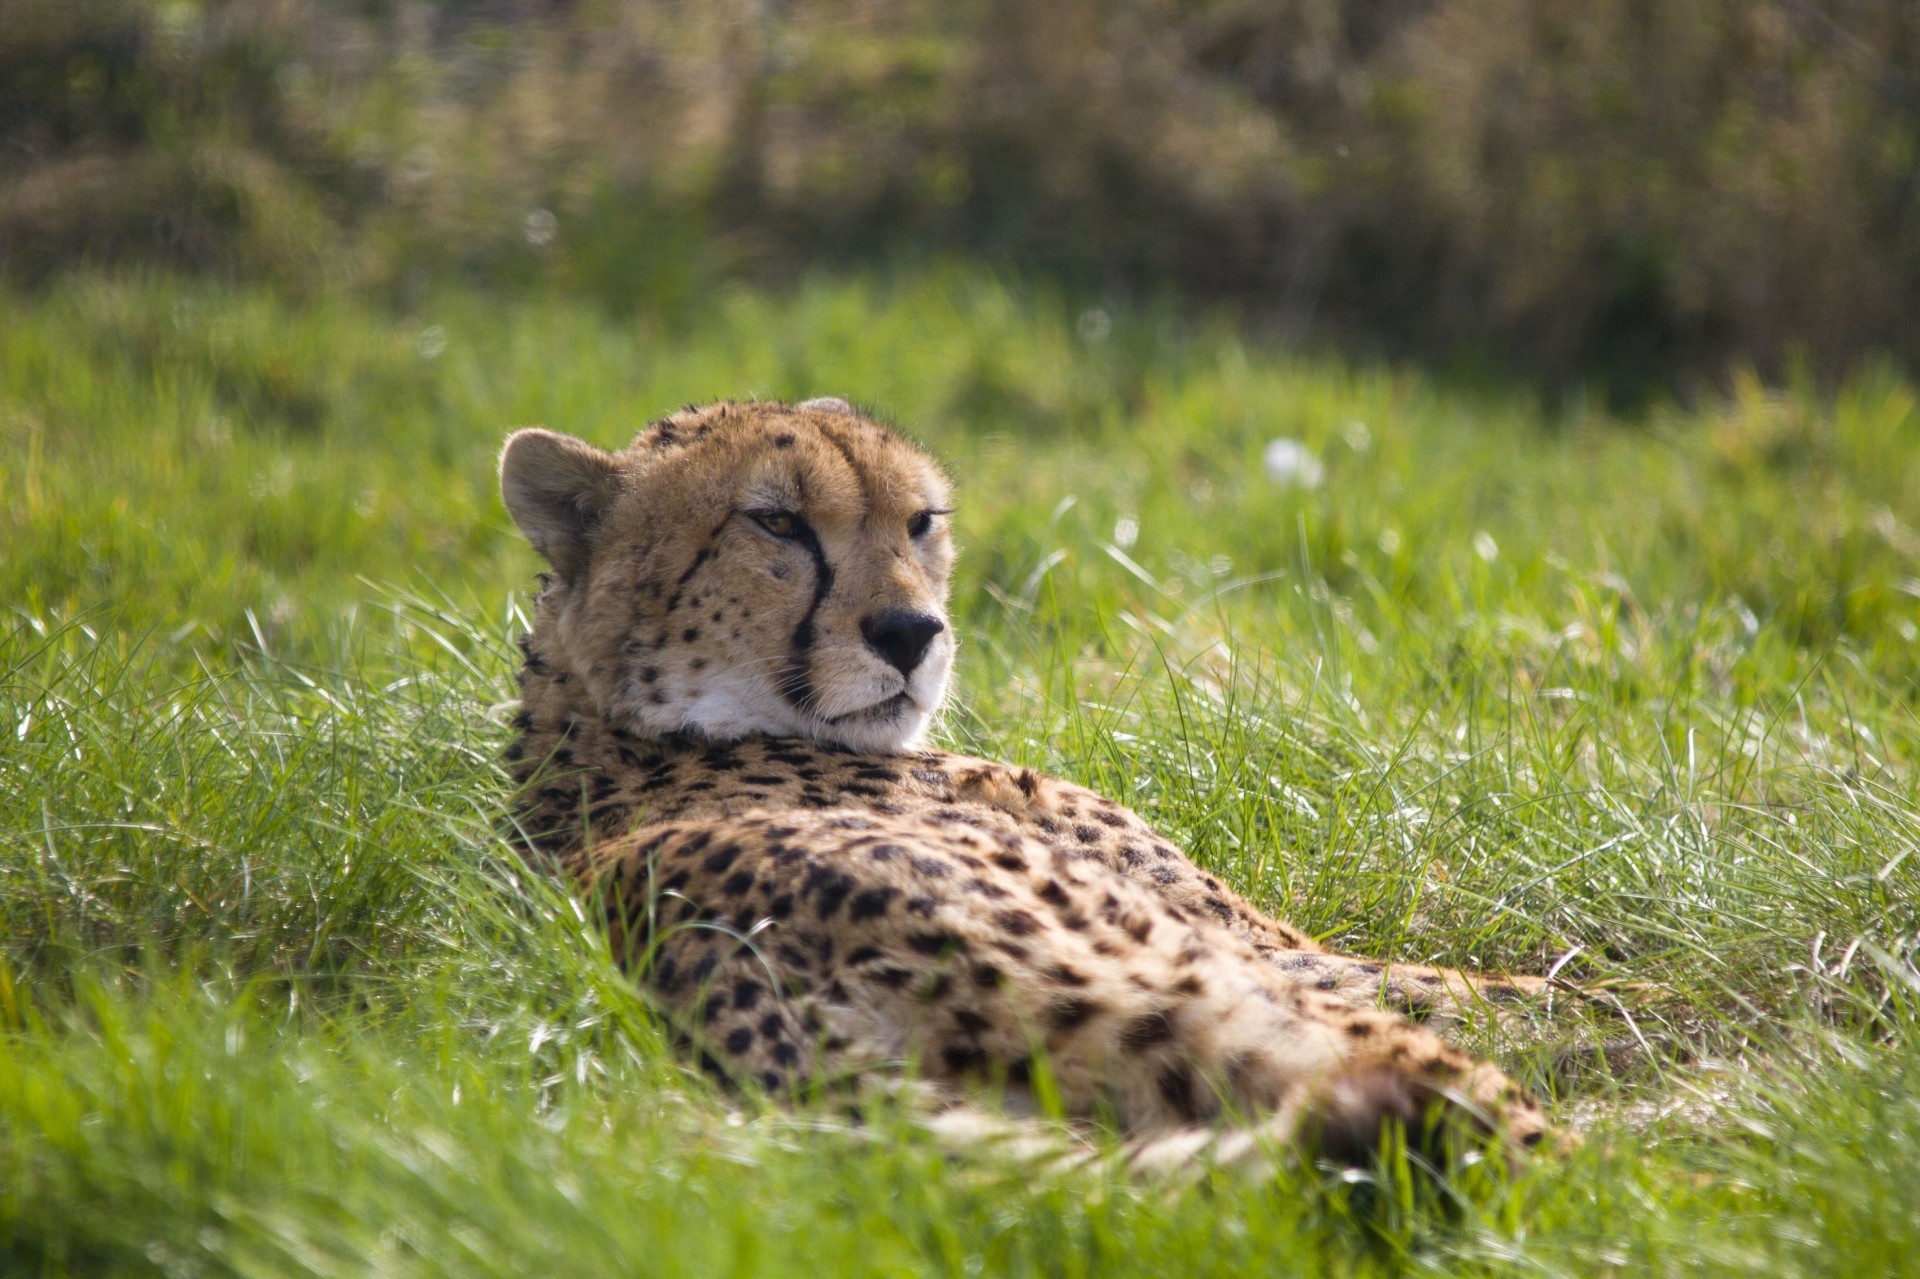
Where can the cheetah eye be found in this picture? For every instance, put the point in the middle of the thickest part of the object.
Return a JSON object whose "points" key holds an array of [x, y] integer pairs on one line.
{"points": [[922, 524], [778, 523]]}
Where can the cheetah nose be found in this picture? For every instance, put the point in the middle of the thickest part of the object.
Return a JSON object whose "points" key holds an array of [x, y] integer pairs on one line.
{"points": [[901, 636]]}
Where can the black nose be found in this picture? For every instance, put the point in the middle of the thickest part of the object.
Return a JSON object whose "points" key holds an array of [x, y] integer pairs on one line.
{"points": [[901, 636]]}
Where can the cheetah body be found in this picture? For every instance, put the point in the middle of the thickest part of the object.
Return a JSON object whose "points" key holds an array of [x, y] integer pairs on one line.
{"points": [[813, 895]]}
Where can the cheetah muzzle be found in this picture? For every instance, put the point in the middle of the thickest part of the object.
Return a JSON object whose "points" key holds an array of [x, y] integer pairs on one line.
{"points": [[733, 668]]}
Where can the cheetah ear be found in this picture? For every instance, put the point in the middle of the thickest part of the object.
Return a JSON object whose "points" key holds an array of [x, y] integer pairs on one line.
{"points": [[826, 404], [557, 489]]}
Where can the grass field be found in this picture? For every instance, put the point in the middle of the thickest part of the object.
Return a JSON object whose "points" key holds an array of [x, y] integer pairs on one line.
{"points": [[1507, 687]]}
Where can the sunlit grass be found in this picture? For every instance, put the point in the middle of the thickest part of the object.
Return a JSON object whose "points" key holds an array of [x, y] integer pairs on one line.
{"points": [[1638, 699]]}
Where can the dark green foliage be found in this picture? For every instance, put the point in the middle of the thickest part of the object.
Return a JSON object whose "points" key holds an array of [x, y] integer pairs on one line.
{"points": [[1605, 190]]}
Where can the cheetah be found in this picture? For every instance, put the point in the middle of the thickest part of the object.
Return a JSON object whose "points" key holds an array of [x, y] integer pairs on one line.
{"points": [[721, 744]]}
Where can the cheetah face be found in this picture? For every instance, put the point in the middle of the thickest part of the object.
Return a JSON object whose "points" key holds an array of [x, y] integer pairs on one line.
{"points": [[744, 568]]}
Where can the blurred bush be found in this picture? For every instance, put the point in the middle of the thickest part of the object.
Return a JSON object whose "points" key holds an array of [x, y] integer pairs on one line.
{"points": [[1625, 190]]}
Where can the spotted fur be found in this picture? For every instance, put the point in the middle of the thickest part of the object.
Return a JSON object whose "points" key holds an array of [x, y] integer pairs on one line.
{"points": [[720, 743]]}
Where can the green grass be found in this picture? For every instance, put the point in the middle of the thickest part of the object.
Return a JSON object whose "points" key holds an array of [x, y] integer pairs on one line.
{"points": [[1508, 685]]}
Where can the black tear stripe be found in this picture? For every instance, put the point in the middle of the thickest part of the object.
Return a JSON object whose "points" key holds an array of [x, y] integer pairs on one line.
{"points": [[796, 683]]}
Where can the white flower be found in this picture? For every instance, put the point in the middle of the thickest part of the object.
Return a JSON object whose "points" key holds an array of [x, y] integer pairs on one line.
{"points": [[1094, 326], [540, 227], [1291, 462]]}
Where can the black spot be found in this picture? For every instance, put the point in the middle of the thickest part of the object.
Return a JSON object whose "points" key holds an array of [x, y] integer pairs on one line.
{"points": [[931, 867], [864, 955], [746, 993], [832, 891], [1146, 1030], [1069, 1014], [1176, 1086], [937, 943], [1018, 922], [740, 1040], [737, 883], [785, 1054], [1065, 976], [722, 857], [691, 634], [871, 903], [922, 905], [969, 1022]]}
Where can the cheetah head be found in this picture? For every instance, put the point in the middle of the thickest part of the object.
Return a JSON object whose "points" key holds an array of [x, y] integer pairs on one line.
{"points": [[743, 568]]}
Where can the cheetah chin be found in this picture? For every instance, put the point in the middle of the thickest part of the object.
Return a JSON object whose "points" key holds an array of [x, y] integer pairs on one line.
{"points": [[727, 688]]}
